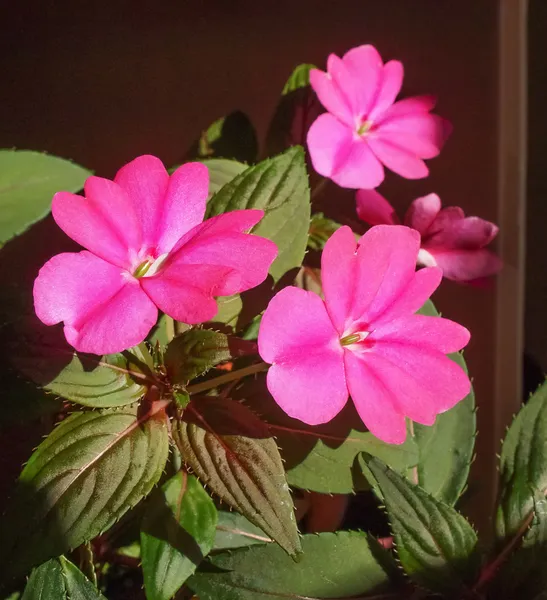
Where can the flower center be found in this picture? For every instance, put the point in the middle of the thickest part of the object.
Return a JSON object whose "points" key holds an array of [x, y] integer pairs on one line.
{"points": [[150, 266], [353, 338], [364, 128]]}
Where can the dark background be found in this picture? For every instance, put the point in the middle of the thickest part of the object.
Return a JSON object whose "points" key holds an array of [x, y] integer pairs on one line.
{"points": [[102, 82]]}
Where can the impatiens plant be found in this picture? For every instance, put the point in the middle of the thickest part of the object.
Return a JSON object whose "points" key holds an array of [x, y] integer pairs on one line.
{"points": [[205, 388]]}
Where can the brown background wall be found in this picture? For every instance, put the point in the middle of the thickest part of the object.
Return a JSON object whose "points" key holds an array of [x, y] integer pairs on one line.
{"points": [[103, 82]]}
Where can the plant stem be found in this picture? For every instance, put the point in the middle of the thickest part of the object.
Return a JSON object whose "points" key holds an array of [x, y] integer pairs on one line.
{"points": [[233, 376], [169, 328]]}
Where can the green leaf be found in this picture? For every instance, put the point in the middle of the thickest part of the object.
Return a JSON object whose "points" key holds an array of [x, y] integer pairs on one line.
{"points": [[59, 579], [82, 478], [299, 78], [233, 453], [235, 531], [28, 181], [178, 531], [221, 172], [446, 448], [194, 352], [321, 228], [523, 467], [321, 458], [435, 544], [89, 380], [46, 582], [232, 136], [333, 565], [296, 111], [279, 187]]}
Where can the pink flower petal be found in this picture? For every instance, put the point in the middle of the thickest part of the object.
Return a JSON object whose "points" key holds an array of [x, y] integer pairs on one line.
{"points": [[184, 204], [374, 401], [104, 221], [338, 271], [419, 331], [398, 159], [331, 96], [218, 241], [104, 309], [374, 209], [145, 181], [424, 382], [469, 233], [466, 265], [346, 159], [386, 262], [422, 212], [365, 66], [307, 377], [411, 298], [187, 292], [408, 107], [389, 88]]}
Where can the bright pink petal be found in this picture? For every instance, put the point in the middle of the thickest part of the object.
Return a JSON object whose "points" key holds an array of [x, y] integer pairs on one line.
{"points": [[218, 241], [187, 292], [469, 233], [400, 160], [374, 401], [389, 88], [424, 382], [307, 377], [409, 107], [422, 212], [104, 222], [410, 298], [466, 265], [183, 205], [338, 270], [338, 154], [419, 331], [374, 209], [386, 265], [104, 310], [365, 66], [331, 96], [145, 181]]}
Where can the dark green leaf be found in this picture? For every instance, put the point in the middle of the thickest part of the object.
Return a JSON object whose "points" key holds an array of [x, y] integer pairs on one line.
{"points": [[46, 582], [233, 453], [321, 228], [194, 352], [446, 448], [78, 587], [435, 544], [221, 172], [28, 181], [523, 467], [299, 78], [322, 458], [84, 476], [279, 187], [235, 531], [178, 531], [333, 565], [232, 136]]}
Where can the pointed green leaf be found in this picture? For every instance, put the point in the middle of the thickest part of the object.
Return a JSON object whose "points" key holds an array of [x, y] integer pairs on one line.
{"points": [[78, 586], [235, 531], [221, 172], [233, 453], [523, 466], [84, 476], [436, 546], [87, 379], [279, 187], [28, 181], [321, 458], [333, 565], [232, 136], [46, 582], [194, 352], [178, 531], [446, 448], [299, 78]]}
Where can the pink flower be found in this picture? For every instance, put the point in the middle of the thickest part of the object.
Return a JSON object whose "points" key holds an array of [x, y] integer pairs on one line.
{"points": [[449, 239], [146, 248], [364, 129], [364, 339]]}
